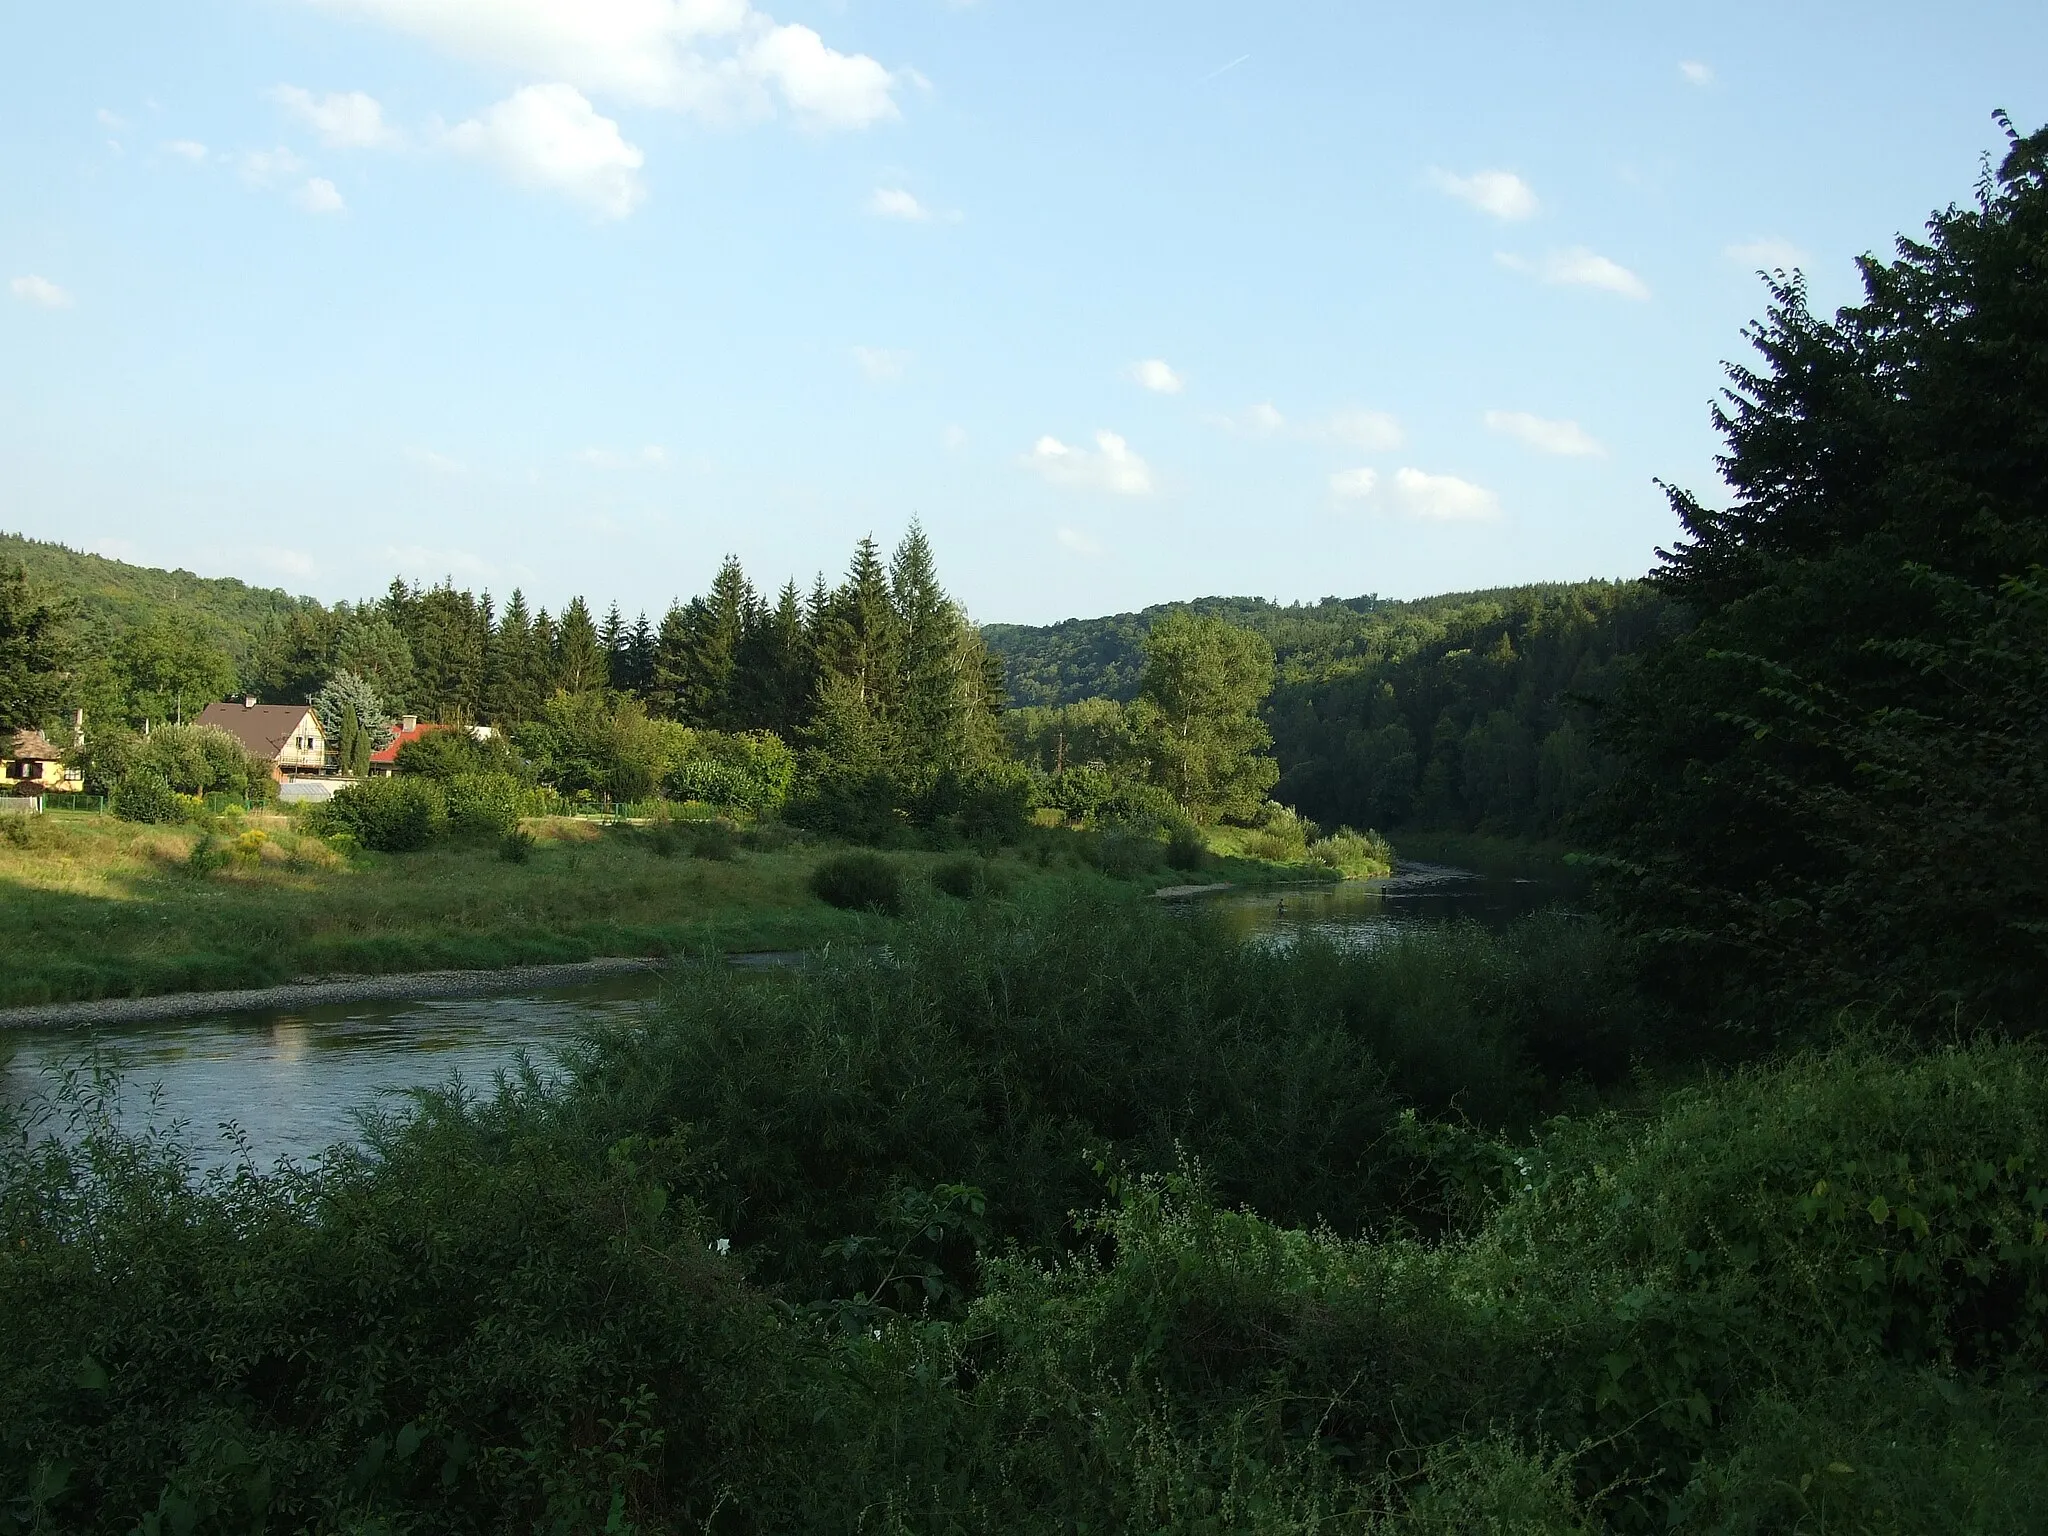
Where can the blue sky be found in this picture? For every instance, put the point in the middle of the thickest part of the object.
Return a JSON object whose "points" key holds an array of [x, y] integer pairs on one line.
{"points": [[1127, 301]]}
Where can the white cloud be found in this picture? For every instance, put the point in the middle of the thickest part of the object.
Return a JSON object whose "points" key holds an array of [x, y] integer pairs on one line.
{"points": [[1374, 431], [955, 439], [319, 195], [286, 562], [550, 136], [113, 122], [649, 457], [262, 167], [1500, 193], [718, 59], [1581, 268], [1354, 484], [1112, 467], [1564, 438], [654, 456], [422, 563], [880, 364], [186, 149], [342, 119], [895, 203], [1697, 73], [40, 291], [1443, 498], [1157, 376], [1077, 541], [1768, 253]]}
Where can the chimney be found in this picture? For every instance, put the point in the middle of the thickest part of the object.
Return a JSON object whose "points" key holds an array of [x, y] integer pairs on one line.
{"points": [[248, 701], [409, 723]]}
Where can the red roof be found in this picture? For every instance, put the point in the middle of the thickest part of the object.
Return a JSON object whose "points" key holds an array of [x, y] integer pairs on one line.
{"points": [[388, 753]]}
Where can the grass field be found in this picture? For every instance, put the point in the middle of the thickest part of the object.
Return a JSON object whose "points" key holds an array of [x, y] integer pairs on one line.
{"points": [[94, 907]]}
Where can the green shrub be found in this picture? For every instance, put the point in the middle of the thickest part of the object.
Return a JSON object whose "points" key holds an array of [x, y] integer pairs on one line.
{"points": [[392, 815], [1126, 855], [517, 846], [750, 772], [861, 882], [1354, 855], [146, 795], [969, 879], [484, 804], [1187, 848], [718, 841]]}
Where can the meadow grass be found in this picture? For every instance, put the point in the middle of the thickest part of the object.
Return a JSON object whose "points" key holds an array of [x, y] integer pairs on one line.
{"points": [[92, 907]]}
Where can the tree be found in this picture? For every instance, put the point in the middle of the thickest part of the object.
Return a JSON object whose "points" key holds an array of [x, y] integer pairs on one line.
{"points": [[611, 639], [172, 671], [718, 624], [516, 673], [346, 699], [668, 689], [368, 644], [1836, 781], [777, 669], [33, 655], [581, 665], [1197, 715]]}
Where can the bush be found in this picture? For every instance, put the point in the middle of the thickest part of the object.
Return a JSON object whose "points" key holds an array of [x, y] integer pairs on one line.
{"points": [[484, 804], [969, 879], [718, 841], [1126, 855], [391, 815], [146, 795], [1354, 855], [517, 846], [1186, 848], [860, 882], [750, 772]]}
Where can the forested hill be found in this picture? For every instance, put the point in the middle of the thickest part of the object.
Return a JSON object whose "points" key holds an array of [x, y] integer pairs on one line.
{"points": [[116, 598], [1079, 659], [1463, 711]]}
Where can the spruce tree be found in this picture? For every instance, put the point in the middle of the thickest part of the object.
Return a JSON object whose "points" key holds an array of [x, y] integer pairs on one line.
{"points": [[640, 657], [718, 626], [581, 665], [668, 687], [611, 639]]}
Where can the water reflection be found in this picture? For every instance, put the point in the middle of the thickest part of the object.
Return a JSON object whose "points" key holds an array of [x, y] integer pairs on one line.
{"points": [[1360, 913], [291, 1085]]}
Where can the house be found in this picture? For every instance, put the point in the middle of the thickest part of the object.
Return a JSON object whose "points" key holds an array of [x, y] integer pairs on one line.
{"points": [[287, 736], [384, 761], [33, 766]]}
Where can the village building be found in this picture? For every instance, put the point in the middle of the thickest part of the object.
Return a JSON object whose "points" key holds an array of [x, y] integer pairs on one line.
{"points": [[384, 761], [287, 736], [34, 766]]}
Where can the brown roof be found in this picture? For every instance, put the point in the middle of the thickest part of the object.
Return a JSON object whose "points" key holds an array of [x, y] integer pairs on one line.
{"points": [[31, 747], [264, 729]]}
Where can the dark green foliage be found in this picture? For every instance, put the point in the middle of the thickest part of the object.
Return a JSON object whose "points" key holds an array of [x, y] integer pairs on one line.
{"points": [[860, 882], [34, 654], [390, 815], [146, 795], [718, 841], [484, 804], [970, 879], [1836, 778], [1186, 848], [516, 847]]}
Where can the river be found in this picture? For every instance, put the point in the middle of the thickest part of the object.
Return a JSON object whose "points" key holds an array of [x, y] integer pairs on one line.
{"points": [[293, 1084]]}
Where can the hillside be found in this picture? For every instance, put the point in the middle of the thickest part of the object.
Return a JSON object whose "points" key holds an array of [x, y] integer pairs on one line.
{"points": [[115, 597]]}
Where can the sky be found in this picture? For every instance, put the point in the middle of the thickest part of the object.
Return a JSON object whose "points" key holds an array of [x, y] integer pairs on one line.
{"points": [[1125, 301]]}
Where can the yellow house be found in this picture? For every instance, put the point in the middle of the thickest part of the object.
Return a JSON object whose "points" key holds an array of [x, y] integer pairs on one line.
{"points": [[287, 736], [33, 765]]}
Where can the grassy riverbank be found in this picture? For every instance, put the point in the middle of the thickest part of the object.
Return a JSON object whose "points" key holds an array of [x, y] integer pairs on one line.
{"points": [[801, 1254], [93, 907]]}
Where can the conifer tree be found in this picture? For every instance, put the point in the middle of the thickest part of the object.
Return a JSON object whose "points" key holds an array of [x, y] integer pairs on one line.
{"points": [[581, 665], [668, 686], [512, 690], [718, 627], [776, 674], [640, 657], [611, 639]]}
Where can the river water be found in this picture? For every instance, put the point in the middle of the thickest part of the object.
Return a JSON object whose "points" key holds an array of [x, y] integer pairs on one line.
{"points": [[294, 1084]]}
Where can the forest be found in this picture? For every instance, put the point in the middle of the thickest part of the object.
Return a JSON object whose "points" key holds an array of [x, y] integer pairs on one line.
{"points": [[1717, 1202]]}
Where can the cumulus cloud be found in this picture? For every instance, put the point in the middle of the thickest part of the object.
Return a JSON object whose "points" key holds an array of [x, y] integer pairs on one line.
{"points": [[1443, 498], [1078, 542], [186, 149], [341, 119], [262, 167], [39, 291], [1112, 466], [319, 195], [1354, 484], [1769, 253], [895, 203], [1696, 73], [717, 59], [1157, 376], [880, 364], [1580, 268], [1374, 431], [1564, 438], [1502, 194], [549, 136]]}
